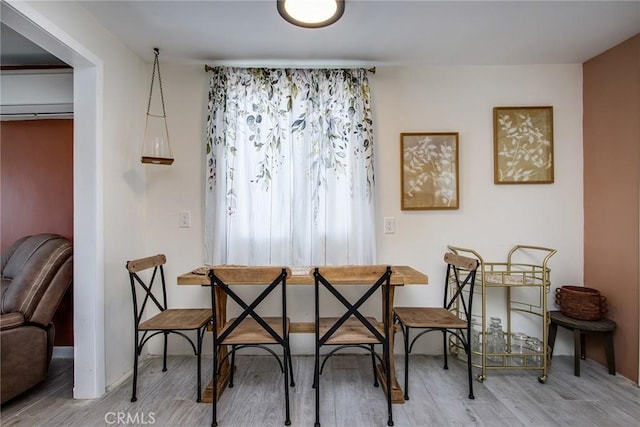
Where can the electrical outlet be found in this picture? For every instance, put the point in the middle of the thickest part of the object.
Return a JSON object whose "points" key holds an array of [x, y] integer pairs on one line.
{"points": [[389, 225], [185, 219]]}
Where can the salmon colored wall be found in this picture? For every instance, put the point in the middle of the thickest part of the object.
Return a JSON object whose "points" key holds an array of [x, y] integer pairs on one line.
{"points": [[611, 194], [36, 182]]}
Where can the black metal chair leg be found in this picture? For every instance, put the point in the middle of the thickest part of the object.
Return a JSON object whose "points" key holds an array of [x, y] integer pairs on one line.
{"points": [[387, 368], [316, 383], [373, 365], [313, 385], [469, 368], [233, 365], [405, 335], [198, 356], [164, 358], [444, 346], [286, 360], [292, 383], [135, 369], [214, 394]]}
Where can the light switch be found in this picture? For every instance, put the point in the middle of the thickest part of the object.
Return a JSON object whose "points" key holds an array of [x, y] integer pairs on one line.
{"points": [[185, 219], [389, 225]]}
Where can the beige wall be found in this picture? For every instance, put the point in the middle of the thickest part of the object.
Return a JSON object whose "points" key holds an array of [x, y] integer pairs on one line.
{"points": [[611, 194], [492, 218]]}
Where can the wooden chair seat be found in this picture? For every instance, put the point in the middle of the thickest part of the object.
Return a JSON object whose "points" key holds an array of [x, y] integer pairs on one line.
{"points": [[351, 331], [178, 319], [250, 332], [429, 317]]}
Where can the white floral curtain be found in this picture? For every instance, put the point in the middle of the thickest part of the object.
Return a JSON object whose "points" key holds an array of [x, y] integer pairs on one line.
{"points": [[289, 167]]}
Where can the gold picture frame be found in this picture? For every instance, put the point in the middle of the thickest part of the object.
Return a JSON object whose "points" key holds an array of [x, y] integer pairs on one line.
{"points": [[429, 170], [523, 145]]}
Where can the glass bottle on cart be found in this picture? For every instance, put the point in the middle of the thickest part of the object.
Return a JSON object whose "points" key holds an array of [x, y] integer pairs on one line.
{"points": [[496, 342]]}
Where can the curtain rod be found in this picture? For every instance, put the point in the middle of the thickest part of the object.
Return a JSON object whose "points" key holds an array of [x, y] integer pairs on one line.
{"points": [[208, 68]]}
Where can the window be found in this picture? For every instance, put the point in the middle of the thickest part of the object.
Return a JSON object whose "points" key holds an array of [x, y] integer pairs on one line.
{"points": [[290, 177]]}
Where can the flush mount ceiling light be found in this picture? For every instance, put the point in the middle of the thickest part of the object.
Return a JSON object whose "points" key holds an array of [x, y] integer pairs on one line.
{"points": [[311, 13]]}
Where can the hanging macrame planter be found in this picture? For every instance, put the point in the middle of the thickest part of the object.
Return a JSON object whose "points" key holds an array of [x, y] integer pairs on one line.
{"points": [[156, 148]]}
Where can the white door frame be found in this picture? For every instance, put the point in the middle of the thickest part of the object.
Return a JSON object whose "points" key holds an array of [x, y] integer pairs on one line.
{"points": [[88, 271]]}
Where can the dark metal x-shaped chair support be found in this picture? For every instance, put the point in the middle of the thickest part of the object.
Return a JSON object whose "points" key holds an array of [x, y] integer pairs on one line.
{"points": [[233, 335], [352, 309], [248, 309], [360, 339]]}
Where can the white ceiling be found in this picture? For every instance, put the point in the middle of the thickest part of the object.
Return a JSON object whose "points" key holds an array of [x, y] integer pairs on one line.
{"points": [[15, 50], [372, 32]]}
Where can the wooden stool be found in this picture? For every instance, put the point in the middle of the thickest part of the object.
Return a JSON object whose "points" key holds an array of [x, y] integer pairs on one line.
{"points": [[580, 328]]}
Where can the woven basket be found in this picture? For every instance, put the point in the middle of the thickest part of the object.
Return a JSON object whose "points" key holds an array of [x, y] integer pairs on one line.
{"points": [[580, 302]]}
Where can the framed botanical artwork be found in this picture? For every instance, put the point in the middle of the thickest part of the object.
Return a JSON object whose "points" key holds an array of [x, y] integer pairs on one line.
{"points": [[523, 145], [429, 170]]}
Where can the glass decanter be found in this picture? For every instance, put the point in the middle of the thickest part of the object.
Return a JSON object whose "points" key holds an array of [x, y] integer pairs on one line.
{"points": [[534, 345], [518, 348], [496, 343]]}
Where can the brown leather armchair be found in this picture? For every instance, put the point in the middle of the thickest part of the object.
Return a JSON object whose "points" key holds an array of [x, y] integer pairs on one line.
{"points": [[36, 272]]}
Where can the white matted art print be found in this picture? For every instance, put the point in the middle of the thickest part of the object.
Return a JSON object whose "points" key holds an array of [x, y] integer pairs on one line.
{"points": [[429, 170], [523, 145]]}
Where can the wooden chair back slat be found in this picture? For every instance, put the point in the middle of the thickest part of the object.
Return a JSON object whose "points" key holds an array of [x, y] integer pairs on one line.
{"points": [[460, 261], [145, 263], [353, 274], [242, 275]]}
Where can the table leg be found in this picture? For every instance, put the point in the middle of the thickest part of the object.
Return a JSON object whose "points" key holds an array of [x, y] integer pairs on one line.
{"points": [[397, 395], [577, 351], [608, 346], [225, 369]]}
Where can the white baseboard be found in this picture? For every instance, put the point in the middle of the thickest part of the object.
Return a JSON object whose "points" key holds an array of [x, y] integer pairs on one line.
{"points": [[63, 352]]}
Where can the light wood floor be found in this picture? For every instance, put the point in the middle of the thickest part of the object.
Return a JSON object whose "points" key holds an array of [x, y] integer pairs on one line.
{"points": [[348, 398]]}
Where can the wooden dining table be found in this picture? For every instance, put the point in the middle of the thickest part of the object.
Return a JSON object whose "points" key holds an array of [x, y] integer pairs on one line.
{"points": [[401, 275]]}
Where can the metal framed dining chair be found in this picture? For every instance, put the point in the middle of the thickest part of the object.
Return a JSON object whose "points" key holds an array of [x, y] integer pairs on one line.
{"points": [[458, 298], [352, 328], [249, 328], [167, 321]]}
